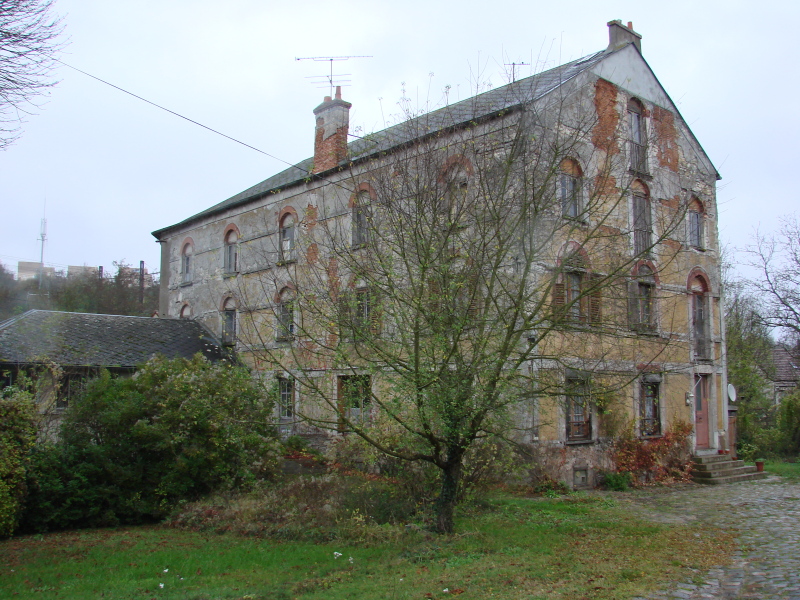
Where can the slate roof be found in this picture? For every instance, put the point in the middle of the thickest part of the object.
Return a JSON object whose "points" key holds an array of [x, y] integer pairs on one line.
{"points": [[80, 339], [787, 366], [478, 107]]}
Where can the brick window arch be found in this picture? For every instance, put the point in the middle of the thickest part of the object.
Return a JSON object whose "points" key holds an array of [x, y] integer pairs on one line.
{"points": [[186, 311]]}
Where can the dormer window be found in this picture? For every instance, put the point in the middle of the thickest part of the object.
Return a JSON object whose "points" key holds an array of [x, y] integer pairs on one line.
{"points": [[637, 137]]}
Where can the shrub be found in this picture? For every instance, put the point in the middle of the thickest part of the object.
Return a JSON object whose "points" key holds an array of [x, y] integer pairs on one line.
{"points": [[17, 436], [618, 482], [660, 459], [132, 448], [789, 424]]}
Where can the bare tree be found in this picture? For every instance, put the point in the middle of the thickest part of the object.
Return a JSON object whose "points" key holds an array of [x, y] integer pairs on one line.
{"points": [[777, 259], [29, 41], [435, 290]]}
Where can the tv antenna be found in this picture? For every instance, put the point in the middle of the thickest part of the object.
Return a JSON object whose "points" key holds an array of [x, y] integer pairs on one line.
{"points": [[328, 80], [514, 66]]}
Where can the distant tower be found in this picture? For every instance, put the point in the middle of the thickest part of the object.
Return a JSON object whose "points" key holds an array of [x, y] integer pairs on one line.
{"points": [[43, 238]]}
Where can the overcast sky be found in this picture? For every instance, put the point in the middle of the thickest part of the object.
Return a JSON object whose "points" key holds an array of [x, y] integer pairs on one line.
{"points": [[112, 168]]}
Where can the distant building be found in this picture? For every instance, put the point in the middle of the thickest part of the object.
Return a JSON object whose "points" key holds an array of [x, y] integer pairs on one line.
{"points": [[81, 270], [30, 270], [787, 372]]}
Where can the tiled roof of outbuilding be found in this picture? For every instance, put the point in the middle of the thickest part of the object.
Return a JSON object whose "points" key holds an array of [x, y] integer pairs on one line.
{"points": [[81, 339], [787, 365], [495, 101]]}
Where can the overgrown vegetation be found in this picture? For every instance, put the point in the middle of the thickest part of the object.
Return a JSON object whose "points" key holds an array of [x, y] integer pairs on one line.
{"points": [[17, 436], [510, 547], [113, 294], [653, 460], [131, 449]]}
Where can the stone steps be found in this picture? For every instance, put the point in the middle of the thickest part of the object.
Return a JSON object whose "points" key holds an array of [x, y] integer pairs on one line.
{"points": [[716, 469]]}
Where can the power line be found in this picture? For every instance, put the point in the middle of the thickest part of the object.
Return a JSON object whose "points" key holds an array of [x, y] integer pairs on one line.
{"points": [[175, 113]]}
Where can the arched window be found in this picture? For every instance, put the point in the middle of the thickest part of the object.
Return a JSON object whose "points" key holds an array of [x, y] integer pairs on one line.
{"points": [[455, 194], [186, 262], [570, 188], [577, 295], [696, 224], [361, 218], [642, 300], [698, 289], [284, 313], [637, 136], [287, 238], [229, 322], [231, 249], [642, 219], [186, 311]]}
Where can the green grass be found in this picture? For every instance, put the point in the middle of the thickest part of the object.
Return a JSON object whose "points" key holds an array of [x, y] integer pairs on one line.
{"points": [[789, 470], [511, 547]]}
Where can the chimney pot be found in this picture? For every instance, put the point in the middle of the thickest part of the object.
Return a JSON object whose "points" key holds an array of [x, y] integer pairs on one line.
{"points": [[339, 92], [327, 99], [630, 25]]}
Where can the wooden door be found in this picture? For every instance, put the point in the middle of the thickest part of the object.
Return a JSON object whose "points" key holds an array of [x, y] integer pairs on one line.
{"points": [[701, 411]]}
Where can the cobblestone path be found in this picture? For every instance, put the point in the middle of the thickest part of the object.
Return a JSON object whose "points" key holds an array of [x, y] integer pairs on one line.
{"points": [[766, 515]]}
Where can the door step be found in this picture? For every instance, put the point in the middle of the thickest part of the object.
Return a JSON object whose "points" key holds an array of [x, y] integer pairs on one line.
{"points": [[716, 469]]}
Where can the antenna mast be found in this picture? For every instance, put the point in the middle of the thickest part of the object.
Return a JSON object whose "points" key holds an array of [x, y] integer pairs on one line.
{"points": [[514, 66], [43, 238], [328, 79]]}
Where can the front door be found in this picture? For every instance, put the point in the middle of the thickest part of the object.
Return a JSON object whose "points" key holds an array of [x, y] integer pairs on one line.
{"points": [[701, 410]]}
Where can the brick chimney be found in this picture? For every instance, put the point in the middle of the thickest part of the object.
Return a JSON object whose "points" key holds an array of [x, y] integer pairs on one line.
{"points": [[330, 137], [619, 35]]}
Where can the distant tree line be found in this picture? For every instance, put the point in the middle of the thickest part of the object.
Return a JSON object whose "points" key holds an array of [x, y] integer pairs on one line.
{"points": [[113, 293]]}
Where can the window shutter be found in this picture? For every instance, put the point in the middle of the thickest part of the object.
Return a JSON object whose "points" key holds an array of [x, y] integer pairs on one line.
{"points": [[474, 295], [559, 300], [595, 300], [375, 313], [633, 304]]}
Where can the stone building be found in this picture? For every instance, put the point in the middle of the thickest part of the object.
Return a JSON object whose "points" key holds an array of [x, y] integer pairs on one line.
{"points": [[617, 257]]}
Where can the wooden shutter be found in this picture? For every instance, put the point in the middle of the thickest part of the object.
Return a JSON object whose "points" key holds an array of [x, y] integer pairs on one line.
{"points": [[633, 305], [559, 301], [595, 299]]}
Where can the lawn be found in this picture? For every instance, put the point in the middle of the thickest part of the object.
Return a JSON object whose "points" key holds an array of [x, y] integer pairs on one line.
{"points": [[579, 546], [789, 470]]}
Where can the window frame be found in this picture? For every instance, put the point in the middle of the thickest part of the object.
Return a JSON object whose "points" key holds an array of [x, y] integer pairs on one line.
{"points": [[642, 224], [650, 408], [573, 401], [642, 300], [286, 398], [696, 229], [354, 407], [231, 253], [701, 346], [637, 137], [229, 322], [187, 263], [288, 239], [361, 213], [286, 324]]}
